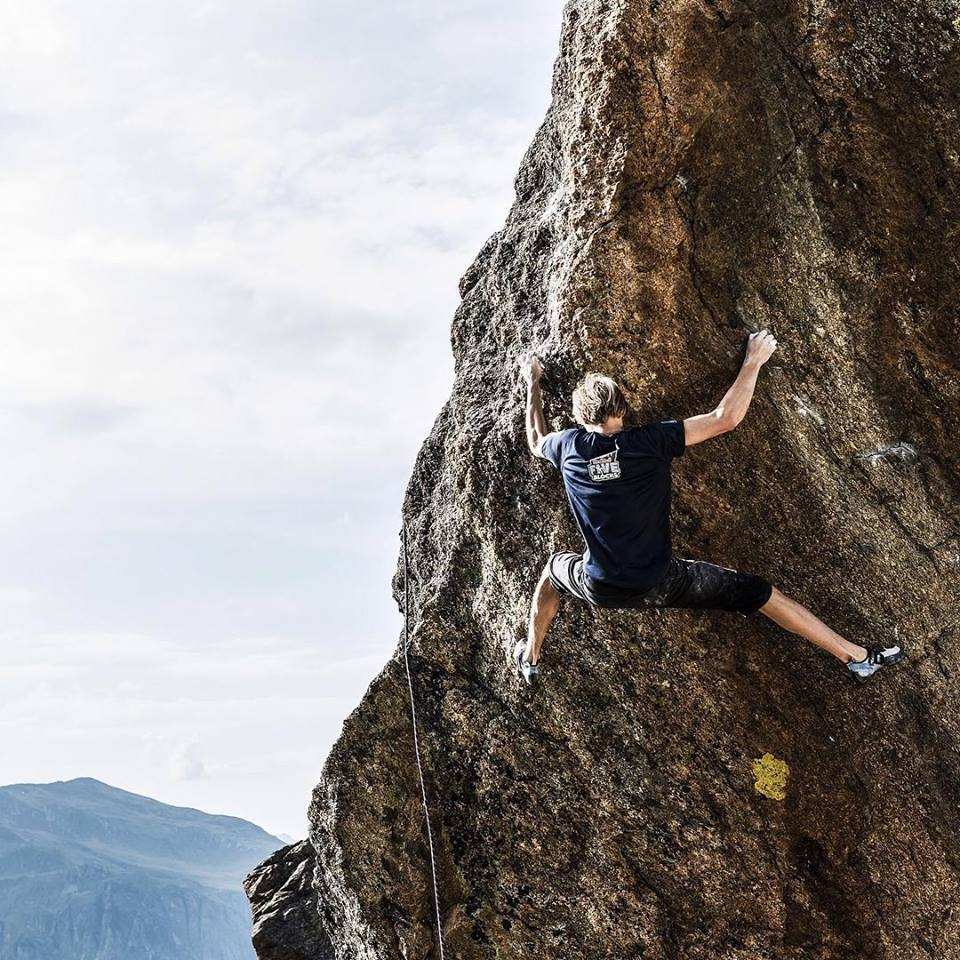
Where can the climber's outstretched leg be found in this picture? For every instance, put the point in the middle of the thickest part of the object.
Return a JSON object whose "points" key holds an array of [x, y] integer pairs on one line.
{"points": [[798, 619]]}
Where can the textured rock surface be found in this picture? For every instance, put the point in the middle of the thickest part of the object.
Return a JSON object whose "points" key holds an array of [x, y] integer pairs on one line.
{"points": [[706, 168], [286, 921]]}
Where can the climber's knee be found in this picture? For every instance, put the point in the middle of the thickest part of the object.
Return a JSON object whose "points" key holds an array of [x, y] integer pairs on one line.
{"points": [[565, 574]]}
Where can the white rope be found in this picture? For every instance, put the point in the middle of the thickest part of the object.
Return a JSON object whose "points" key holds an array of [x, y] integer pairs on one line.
{"points": [[416, 738]]}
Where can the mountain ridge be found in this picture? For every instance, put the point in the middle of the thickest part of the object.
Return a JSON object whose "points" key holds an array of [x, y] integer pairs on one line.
{"points": [[88, 870]]}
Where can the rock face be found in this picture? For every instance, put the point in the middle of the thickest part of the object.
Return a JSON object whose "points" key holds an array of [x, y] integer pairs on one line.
{"points": [[287, 923], [707, 167]]}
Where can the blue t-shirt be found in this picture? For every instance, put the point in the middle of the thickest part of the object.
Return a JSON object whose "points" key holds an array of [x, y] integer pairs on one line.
{"points": [[619, 491]]}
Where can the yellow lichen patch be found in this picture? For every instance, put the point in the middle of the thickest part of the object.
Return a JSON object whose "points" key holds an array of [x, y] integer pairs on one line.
{"points": [[771, 775]]}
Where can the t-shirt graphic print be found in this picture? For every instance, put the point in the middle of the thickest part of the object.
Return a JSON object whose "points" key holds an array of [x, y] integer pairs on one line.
{"points": [[604, 467]]}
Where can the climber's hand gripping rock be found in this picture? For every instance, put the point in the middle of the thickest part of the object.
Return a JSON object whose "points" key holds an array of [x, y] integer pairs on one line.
{"points": [[760, 347], [531, 368]]}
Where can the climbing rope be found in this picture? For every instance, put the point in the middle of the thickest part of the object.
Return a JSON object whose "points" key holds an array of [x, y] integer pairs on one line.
{"points": [[416, 738]]}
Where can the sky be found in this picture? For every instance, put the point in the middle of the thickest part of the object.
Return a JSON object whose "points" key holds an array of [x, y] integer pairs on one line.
{"points": [[230, 237]]}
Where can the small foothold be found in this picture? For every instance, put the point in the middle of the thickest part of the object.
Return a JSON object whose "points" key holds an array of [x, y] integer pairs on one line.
{"points": [[899, 450]]}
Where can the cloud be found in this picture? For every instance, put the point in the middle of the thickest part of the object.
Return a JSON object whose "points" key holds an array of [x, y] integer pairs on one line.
{"points": [[14, 598], [185, 764], [77, 415]]}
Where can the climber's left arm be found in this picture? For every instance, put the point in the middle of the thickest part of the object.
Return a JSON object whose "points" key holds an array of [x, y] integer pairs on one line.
{"points": [[536, 422]]}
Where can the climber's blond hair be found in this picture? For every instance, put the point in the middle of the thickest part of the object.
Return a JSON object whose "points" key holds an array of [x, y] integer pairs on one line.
{"points": [[596, 399]]}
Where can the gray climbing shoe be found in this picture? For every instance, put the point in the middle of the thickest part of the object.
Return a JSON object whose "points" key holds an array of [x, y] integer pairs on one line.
{"points": [[877, 657], [529, 671]]}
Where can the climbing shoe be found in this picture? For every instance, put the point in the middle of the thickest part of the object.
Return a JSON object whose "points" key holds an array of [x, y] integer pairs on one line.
{"points": [[529, 671], [877, 657]]}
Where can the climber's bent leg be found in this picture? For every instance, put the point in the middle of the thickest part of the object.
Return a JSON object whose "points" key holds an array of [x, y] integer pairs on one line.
{"points": [[563, 576], [798, 619], [543, 608]]}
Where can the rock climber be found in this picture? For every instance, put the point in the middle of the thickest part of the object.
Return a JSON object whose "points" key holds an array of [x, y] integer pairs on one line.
{"points": [[617, 482]]}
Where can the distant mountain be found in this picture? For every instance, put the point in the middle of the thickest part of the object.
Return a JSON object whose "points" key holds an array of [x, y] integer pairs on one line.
{"points": [[90, 872]]}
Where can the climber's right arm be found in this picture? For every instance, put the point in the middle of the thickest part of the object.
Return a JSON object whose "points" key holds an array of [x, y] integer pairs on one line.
{"points": [[736, 401], [536, 422]]}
